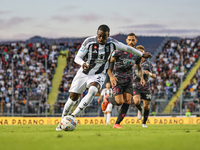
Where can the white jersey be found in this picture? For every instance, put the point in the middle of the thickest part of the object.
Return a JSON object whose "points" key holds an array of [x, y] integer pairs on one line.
{"points": [[98, 56], [105, 92]]}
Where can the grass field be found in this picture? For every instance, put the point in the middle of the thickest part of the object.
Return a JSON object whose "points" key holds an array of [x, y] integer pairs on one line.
{"points": [[100, 137]]}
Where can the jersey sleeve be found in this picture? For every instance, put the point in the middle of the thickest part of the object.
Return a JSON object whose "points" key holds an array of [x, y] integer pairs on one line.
{"points": [[116, 54], [102, 92], [123, 47], [81, 53]]}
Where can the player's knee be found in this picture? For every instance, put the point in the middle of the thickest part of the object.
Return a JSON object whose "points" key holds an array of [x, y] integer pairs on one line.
{"points": [[74, 96], [92, 90], [128, 101], [137, 100], [120, 102]]}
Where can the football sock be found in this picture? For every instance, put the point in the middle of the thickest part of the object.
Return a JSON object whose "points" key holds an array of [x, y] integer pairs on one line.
{"points": [[139, 107], [108, 118], [86, 100], [122, 113], [146, 114], [112, 100], [68, 107], [105, 116]]}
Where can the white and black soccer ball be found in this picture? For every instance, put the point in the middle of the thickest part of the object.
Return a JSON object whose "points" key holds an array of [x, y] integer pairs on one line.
{"points": [[68, 123]]}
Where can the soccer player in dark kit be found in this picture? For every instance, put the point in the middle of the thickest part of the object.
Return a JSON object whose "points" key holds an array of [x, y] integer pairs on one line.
{"points": [[143, 91], [140, 91], [121, 77]]}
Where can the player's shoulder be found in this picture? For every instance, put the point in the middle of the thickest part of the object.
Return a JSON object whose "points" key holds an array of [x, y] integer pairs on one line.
{"points": [[112, 40], [103, 89], [117, 53], [90, 40], [148, 61]]}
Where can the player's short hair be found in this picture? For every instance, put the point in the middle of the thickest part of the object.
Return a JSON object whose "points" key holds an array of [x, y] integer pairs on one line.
{"points": [[140, 47], [132, 34], [104, 28]]}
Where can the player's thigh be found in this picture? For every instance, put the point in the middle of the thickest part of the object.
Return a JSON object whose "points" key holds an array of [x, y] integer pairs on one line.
{"points": [[79, 83], [127, 97], [99, 78], [136, 96], [146, 104], [119, 98], [117, 90]]}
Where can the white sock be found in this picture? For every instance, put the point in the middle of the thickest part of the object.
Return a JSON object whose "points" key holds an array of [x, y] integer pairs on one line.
{"points": [[108, 118], [86, 100], [68, 107], [105, 116]]}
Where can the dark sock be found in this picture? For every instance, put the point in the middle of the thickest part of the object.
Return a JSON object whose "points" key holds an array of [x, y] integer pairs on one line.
{"points": [[112, 100], [139, 107], [146, 114], [122, 113]]}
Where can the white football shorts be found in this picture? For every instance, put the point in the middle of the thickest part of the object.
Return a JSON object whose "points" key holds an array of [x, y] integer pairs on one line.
{"points": [[82, 81]]}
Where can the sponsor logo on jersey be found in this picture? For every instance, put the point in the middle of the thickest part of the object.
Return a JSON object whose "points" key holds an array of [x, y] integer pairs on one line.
{"points": [[95, 51]]}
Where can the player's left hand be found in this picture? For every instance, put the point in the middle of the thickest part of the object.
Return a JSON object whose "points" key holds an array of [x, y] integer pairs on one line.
{"points": [[113, 80], [147, 55], [142, 81]]}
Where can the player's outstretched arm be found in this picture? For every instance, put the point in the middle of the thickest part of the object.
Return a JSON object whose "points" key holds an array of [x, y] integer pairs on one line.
{"points": [[79, 58], [121, 46], [140, 74], [113, 79], [152, 75], [100, 97]]}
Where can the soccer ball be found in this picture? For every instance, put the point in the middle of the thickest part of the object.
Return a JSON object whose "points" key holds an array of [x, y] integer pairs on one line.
{"points": [[68, 123]]}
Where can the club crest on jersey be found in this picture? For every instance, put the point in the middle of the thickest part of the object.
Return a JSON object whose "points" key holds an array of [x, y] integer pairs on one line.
{"points": [[128, 62], [95, 47]]}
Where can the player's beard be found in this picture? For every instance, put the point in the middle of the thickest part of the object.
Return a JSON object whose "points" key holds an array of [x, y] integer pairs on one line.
{"points": [[131, 44]]}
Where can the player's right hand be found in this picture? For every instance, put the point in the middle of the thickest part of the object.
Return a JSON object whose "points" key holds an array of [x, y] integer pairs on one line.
{"points": [[113, 80], [85, 66], [147, 55]]}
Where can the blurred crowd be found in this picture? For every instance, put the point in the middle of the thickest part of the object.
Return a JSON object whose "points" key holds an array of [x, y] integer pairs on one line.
{"points": [[25, 64], [170, 67], [191, 95]]}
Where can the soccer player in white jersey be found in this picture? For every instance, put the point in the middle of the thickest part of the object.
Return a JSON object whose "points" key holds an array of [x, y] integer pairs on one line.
{"points": [[106, 91], [94, 59]]}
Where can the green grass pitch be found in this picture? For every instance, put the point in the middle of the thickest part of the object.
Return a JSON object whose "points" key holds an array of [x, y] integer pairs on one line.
{"points": [[100, 137]]}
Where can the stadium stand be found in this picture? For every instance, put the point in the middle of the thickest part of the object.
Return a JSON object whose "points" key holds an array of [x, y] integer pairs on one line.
{"points": [[24, 63]]}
